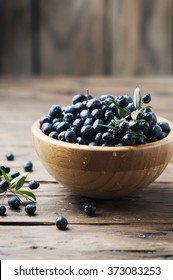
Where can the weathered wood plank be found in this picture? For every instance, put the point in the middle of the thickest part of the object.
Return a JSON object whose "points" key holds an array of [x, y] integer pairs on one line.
{"points": [[142, 32], [16, 37], [83, 242], [150, 206], [71, 37]]}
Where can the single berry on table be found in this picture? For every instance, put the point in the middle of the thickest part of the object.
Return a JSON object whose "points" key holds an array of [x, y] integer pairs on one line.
{"points": [[14, 174], [61, 223], [2, 210], [28, 165], [14, 202], [30, 209], [33, 185], [4, 185], [90, 209], [10, 156]]}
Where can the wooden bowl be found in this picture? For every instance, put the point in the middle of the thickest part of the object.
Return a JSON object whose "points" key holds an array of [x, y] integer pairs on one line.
{"points": [[103, 172]]}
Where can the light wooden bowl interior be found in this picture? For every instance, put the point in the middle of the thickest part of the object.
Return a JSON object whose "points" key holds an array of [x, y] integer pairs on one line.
{"points": [[103, 172]]}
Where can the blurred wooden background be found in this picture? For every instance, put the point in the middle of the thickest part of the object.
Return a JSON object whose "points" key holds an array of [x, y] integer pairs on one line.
{"points": [[86, 37]]}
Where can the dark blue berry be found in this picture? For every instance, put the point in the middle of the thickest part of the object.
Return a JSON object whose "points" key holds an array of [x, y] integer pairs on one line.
{"points": [[81, 141], [2, 210], [14, 174], [61, 223], [55, 111], [62, 126], [14, 202], [78, 98], [78, 123], [107, 136], [53, 134], [33, 184], [156, 131], [10, 156], [129, 139], [30, 209], [89, 121], [99, 126], [97, 114], [61, 136], [84, 114], [93, 104], [164, 126], [45, 119], [47, 128], [90, 209], [28, 165], [4, 185], [70, 136], [123, 101], [146, 98], [124, 126], [69, 117], [88, 132]]}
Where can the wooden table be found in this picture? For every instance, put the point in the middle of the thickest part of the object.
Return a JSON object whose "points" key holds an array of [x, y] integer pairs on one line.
{"points": [[137, 227]]}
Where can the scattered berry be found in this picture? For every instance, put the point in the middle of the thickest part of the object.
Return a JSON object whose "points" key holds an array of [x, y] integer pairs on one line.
{"points": [[61, 223], [33, 184], [14, 202], [30, 209], [2, 210], [4, 185], [28, 165], [90, 209], [10, 156], [14, 174]]}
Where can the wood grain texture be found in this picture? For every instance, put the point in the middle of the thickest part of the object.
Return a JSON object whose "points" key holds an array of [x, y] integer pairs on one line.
{"points": [[71, 37], [141, 37], [136, 227], [15, 37]]}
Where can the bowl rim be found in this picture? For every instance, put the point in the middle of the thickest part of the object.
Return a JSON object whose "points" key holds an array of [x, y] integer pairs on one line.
{"points": [[36, 131]]}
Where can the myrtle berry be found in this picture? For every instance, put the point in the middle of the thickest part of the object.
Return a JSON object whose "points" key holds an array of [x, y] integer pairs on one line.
{"points": [[4, 185], [61, 223], [47, 128], [14, 174], [128, 139], [10, 156], [33, 185], [146, 98], [28, 165], [2, 210], [70, 136], [78, 98], [88, 132], [7, 169], [53, 134], [90, 209], [14, 202], [81, 141], [55, 111], [164, 126], [94, 104], [123, 101], [124, 126], [30, 209]]}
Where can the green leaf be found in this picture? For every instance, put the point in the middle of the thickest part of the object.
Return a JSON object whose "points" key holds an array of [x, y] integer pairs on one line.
{"points": [[136, 133], [122, 112], [18, 182], [137, 99], [5, 175], [27, 194]]}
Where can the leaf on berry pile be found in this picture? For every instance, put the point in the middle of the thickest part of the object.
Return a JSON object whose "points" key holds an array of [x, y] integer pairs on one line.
{"points": [[137, 98], [122, 112], [27, 194], [4, 175], [136, 133]]}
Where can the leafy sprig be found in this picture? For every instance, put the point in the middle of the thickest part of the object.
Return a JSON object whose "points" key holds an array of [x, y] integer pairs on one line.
{"points": [[133, 117], [16, 184]]}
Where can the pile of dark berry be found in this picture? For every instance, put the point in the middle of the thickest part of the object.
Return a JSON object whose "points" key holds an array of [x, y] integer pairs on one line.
{"points": [[105, 121]]}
